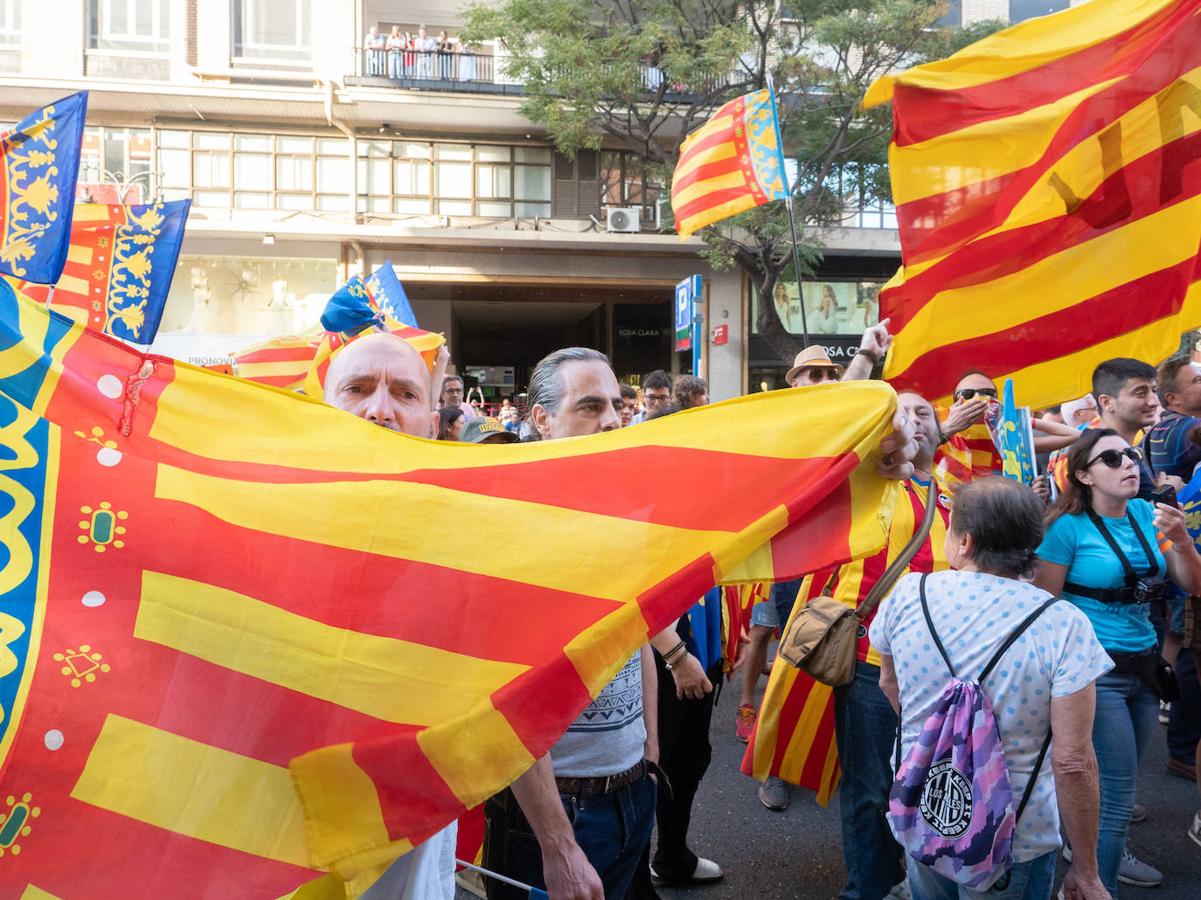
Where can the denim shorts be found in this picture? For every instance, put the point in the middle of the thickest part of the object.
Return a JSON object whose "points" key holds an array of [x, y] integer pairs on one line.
{"points": [[774, 612]]}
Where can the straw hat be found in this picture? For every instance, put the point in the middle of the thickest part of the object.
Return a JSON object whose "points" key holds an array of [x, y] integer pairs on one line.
{"points": [[812, 357]]}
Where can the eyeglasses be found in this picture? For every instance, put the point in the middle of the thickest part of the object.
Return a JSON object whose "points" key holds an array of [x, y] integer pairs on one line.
{"points": [[1113, 458], [969, 393]]}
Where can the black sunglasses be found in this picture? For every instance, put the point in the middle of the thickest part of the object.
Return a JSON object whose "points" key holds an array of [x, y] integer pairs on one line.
{"points": [[1113, 458], [969, 393]]}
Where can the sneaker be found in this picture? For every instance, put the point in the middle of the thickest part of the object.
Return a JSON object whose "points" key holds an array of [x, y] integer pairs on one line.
{"points": [[775, 794], [1194, 831], [1133, 870], [1182, 769], [1138, 814], [706, 871], [744, 723], [1165, 712]]}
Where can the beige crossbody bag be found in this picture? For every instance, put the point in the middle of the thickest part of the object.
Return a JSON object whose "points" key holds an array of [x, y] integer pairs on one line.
{"points": [[821, 638]]}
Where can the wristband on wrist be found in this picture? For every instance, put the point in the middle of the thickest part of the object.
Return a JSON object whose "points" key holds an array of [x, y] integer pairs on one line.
{"points": [[869, 354], [675, 662], [673, 651]]}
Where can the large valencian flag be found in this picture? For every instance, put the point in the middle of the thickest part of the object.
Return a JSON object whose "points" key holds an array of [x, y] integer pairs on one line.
{"points": [[247, 637], [1047, 181]]}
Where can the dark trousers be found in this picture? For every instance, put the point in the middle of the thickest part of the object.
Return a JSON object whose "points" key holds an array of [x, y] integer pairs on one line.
{"points": [[865, 727], [684, 755], [613, 830], [1184, 724]]}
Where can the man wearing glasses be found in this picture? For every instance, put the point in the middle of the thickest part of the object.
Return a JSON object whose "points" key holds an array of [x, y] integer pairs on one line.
{"points": [[656, 395]]}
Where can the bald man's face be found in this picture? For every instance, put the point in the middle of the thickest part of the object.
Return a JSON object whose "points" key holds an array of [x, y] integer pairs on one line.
{"points": [[382, 379]]}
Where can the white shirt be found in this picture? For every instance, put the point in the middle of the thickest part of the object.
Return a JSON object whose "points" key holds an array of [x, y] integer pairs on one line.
{"points": [[427, 872], [973, 614]]}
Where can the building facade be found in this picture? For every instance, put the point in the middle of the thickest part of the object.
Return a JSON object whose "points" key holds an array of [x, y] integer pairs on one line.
{"points": [[310, 152]]}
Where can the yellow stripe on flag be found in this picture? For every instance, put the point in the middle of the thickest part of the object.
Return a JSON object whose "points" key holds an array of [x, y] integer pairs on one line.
{"points": [[195, 790], [78, 253], [729, 181], [716, 214], [1022, 47], [348, 668], [717, 153], [713, 126]]}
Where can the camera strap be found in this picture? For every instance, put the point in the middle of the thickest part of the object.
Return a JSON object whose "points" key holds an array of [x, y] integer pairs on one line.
{"points": [[1131, 575]]}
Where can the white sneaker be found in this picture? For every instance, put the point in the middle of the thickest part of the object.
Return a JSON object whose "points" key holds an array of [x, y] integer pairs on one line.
{"points": [[1194, 831], [1165, 713], [706, 871]]}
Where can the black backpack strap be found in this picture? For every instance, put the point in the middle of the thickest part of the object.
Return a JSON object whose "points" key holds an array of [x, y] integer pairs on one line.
{"points": [[1131, 575], [1013, 636], [1142, 541], [921, 590], [1038, 764]]}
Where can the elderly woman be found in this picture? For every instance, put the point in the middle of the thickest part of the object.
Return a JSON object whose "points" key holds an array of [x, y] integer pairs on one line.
{"points": [[955, 622], [1102, 553]]}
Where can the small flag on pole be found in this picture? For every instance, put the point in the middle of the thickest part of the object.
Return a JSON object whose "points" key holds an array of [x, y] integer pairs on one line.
{"points": [[732, 163], [40, 159]]}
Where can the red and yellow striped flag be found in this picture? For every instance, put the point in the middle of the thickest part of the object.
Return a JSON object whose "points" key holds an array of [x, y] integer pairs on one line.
{"points": [[281, 362], [794, 736], [1049, 199], [732, 163], [242, 636]]}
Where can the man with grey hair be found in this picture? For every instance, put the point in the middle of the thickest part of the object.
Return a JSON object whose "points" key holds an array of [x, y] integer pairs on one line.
{"points": [[1078, 413], [577, 823]]}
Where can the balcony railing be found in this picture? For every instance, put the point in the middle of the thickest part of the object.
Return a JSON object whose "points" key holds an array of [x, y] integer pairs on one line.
{"points": [[429, 70], [483, 73]]}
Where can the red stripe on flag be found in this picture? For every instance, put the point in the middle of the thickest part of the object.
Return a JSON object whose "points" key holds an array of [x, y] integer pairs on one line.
{"points": [[926, 113], [708, 170], [999, 255], [934, 225], [421, 796], [1123, 310], [715, 198], [712, 139]]}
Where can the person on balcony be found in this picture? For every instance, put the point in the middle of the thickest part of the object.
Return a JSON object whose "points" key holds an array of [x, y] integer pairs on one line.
{"points": [[466, 61], [445, 50], [373, 49], [424, 45], [396, 46], [410, 58]]}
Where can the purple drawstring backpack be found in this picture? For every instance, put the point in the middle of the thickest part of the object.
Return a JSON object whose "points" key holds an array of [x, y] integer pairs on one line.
{"points": [[951, 805]]}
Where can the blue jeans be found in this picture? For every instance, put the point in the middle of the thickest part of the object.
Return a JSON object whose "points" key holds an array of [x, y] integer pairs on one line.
{"points": [[865, 727], [613, 830], [395, 66], [1127, 713], [1031, 880]]}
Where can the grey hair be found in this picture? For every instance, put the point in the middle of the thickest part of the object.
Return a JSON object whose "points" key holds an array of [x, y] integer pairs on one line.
{"points": [[546, 387]]}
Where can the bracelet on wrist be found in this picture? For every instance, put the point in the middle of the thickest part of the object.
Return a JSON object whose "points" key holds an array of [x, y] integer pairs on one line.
{"points": [[872, 357], [672, 652], [675, 662]]}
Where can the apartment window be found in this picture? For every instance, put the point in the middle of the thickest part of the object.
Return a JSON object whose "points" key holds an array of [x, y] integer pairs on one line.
{"points": [[114, 165], [861, 189], [1020, 10], [241, 170], [625, 180], [486, 180], [10, 21], [276, 30], [137, 25]]}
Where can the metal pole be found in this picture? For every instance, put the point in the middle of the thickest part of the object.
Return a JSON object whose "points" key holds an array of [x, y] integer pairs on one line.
{"points": [[796, 265], [487, 873]]}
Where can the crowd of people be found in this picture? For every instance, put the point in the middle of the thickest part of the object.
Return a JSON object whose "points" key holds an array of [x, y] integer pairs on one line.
{"points": [[403, 54], [1068, 606]]}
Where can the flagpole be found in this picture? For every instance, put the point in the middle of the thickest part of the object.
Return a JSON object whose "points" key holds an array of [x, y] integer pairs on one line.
{"points": [[796, 254], [49, 296]]}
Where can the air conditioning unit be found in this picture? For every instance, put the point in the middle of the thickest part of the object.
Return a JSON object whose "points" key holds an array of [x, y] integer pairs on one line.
{"points": [[626, 220]]}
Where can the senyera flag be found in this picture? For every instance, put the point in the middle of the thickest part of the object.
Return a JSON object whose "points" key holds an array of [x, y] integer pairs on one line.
{"points": [[244, 644], [732, 163], [39, 165], [1049, 200], [281, 362], [356, 309], [119, 268]]}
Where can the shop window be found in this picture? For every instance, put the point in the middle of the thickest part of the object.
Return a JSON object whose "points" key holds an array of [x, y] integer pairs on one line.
{"points": [[831, 307], [115, 166]]}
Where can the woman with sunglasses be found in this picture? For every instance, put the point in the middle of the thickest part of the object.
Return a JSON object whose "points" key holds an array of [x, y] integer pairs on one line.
{"points": [[1102, 552]]}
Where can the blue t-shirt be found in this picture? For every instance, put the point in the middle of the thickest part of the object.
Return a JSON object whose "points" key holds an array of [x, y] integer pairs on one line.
{"points": [[1169, 446], [1075, 542]]}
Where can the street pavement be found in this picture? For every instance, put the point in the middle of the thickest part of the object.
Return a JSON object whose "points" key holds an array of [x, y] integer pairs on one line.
{"points": [[798, 853]]}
